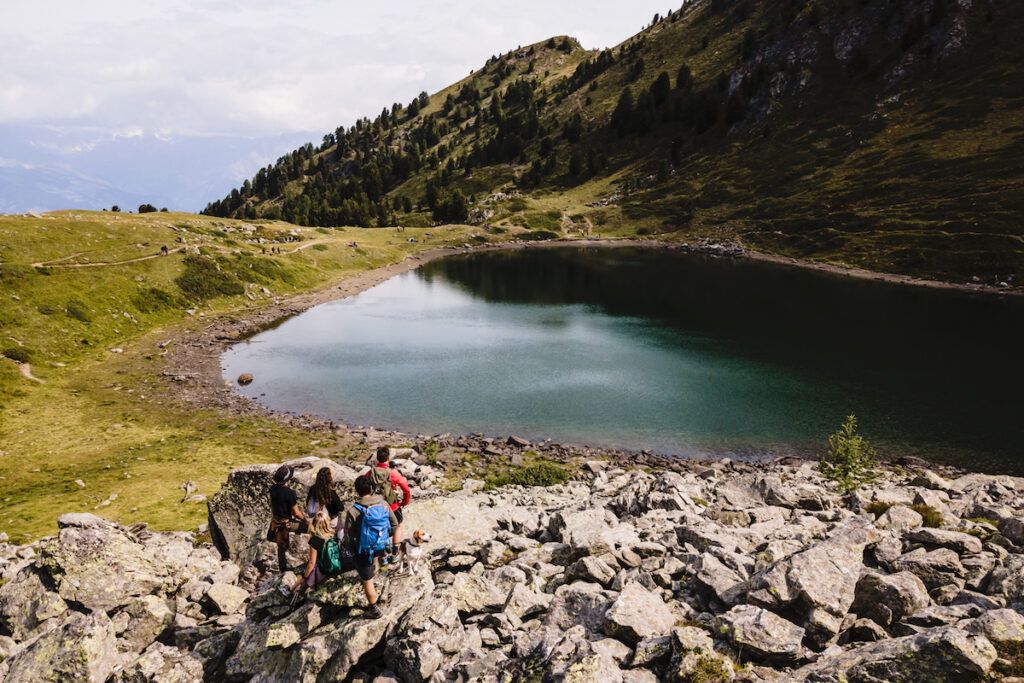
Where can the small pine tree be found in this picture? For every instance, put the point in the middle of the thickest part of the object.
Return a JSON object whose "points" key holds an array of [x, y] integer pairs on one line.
{"points": [[849, 459]]}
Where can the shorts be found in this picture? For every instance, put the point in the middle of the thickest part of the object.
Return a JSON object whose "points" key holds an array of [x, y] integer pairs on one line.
{"points": [[398, 514], [364, 565]]}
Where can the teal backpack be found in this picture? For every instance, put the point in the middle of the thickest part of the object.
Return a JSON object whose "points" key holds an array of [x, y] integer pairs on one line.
{"points": [[330, 559]]}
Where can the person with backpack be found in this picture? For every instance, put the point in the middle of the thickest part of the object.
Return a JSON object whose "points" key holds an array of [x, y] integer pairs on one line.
{"points": [[386, 482], [367, 525], [285, 515], [325, 556]]}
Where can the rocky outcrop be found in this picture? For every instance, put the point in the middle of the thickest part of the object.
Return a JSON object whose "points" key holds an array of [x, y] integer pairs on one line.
{"points": [[721, 572]]}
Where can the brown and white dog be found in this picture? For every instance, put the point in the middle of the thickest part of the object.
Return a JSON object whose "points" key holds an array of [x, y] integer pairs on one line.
{"points": [[413, 555]]}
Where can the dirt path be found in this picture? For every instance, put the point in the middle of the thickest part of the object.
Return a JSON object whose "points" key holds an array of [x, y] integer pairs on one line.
{"points": [[26, 371], [55, 263]]}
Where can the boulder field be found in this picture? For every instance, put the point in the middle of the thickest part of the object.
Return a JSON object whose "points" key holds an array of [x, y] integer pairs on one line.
{"points": [[721, 572]]}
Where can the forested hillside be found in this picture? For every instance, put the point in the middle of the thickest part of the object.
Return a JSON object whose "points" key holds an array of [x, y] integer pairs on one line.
{"points": [[887, 134]]}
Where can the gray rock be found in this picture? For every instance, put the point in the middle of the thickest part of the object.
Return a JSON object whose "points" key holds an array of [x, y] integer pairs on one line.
{"points": [[637, 613], [579, 603], [619, 652], [1013, 529], [590, 568], [999, 626], [760, 633], [1008, 579], [978, 568], [147, 618], [935, 568], [593, 531], [522, 604], [492, 553], [161, 664], [694, 657], [226, 598], [887, 598], [947, 653], [866, 631], [818, 583], [723, 583], [26, 605], [80, 649], [954, 540], [427, 637], [899, 518], [653, 650]]}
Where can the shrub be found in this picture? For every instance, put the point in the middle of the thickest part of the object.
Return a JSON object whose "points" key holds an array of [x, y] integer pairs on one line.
{"points": [[878, 508], [320, 247], [203, 280], [538, 474], [18, 353], [153, 299], [849, 459], [15, 271], [48, 309], [932, 517], [77, 310], [147, 208], [538, 235]]}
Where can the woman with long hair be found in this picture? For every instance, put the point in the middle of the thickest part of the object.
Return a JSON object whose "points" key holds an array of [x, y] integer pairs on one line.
{"points": [[321, 532], [322, 495]]}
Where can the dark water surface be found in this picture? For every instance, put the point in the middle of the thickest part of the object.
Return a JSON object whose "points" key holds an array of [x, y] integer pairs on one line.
{"points": [[650, 349]]}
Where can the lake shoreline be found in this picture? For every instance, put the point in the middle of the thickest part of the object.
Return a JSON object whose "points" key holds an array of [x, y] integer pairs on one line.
{"points": [[192, 365]]}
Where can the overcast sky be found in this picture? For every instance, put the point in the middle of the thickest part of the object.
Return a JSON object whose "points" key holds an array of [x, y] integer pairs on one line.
{"points": [[258, 68]]}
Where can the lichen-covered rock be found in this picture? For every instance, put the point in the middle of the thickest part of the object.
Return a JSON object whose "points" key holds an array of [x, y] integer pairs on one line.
{"points": [[1008, 579], [590, 568], [80, 649], [161, 664], [694, 657], [999, 625], [638, 613], [887, 598], [594, 531], [579, 603], [947, 653], [720, 581], [935, 568], [817, 583], [760, 633], [523, 603], [429, 634], [954, 540], [26, 605], [899, 518], [227, 599], [239, 513], [147, 618]]}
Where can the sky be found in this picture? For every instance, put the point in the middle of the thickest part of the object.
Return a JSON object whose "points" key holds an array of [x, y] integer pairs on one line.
{"points": [[85, 83]]}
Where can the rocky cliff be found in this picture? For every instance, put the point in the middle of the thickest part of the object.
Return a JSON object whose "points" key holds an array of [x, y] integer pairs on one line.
{"points": [[723, 572]]}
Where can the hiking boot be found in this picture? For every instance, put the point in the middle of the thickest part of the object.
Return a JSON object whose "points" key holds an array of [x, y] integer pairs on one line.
{"points": [[373, 612]]}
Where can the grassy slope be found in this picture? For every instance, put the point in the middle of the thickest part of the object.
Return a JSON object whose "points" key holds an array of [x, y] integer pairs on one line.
{"points": [[101, 417], [922, 176]]}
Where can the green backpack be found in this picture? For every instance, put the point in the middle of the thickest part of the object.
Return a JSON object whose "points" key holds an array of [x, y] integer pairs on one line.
{"points": [[330, 559], [380, 477]]}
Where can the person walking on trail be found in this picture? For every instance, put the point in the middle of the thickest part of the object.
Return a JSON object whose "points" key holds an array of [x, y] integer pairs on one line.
{"points": [[367, 525], [325, 557], [322, 496], [386, 483], [286, 515]]}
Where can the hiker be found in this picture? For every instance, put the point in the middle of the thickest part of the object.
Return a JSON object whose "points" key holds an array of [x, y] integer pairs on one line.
{"points": [[367, 524], [322, 496], [324, 554], [386, 481], [163, 250], [287, 516]]}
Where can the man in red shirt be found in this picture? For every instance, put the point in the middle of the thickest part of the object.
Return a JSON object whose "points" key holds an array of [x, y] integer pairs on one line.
{"points": [[386, 483]]}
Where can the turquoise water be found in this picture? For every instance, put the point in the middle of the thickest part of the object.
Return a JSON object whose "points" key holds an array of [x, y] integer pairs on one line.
{"points": [[682, 354]]}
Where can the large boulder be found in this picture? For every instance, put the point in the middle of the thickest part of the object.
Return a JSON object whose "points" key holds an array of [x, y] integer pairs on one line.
{"points": [[594, 531], [1008, 579], [161, 664], [957, 541], [818, 583], [936, 568], [694, 657], [762, 634], [947, 653], [144, 619], [579, 603], [26, 606], [637, 613], [80, 649], [239, 513], [887, 598], [100, 565], [428, 635]]}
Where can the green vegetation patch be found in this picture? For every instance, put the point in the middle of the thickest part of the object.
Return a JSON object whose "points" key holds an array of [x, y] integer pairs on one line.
{"points": [[538, 236], [203, 280], [537, 474], [18, 353], [849, 459], [932, 517], [878, 508], [77, 309], [154, 299]]}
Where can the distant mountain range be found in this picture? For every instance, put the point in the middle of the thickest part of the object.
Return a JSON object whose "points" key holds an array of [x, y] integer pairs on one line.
{"points": [[887, 134], [47, 168]]}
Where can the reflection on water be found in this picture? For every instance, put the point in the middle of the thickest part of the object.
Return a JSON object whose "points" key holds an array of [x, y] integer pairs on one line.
{"points": [[645, 349]]}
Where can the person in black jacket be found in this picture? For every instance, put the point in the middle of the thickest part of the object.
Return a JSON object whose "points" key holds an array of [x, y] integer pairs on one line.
{"points": [[286, 515]]}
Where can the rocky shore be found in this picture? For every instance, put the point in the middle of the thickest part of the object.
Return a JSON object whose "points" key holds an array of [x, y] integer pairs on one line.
{"points": [[733, 571]]}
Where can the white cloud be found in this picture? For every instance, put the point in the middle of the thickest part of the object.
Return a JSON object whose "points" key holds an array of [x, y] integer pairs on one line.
{"points": [[261, 67]]}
